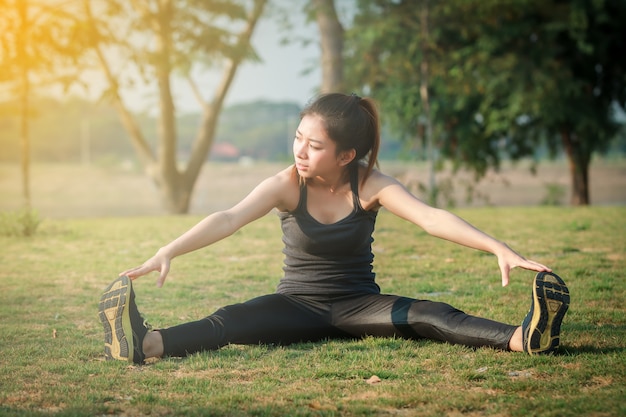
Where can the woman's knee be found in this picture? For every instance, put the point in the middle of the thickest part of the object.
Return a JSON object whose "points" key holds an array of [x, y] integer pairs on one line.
{"points": [[431, 319]]}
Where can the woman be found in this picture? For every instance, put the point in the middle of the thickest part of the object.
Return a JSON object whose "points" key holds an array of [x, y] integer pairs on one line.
{"points": [[327, 203]]}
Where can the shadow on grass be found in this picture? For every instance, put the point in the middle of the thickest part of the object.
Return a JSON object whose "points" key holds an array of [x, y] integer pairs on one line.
{"points": [[355, 345], [298, 349], [603, 332], [589, 349], [295, 350]]}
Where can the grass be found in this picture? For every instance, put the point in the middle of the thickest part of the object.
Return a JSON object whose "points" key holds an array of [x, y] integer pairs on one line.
{"points": [[51, 352]]}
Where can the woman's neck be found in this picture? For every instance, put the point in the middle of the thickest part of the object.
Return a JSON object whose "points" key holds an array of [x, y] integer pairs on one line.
{"points": [[333, 184]]}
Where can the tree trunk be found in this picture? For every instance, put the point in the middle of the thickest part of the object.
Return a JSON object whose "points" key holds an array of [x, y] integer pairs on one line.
{"points": [[24, 93], [331, 43], [433, 190], [579, 161], [175, 197], [25, 140]]}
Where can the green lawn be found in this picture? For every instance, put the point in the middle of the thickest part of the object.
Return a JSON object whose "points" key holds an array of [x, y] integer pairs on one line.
{"points": [[51, 351]]}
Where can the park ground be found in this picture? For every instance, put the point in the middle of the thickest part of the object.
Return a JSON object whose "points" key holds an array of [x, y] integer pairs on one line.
{"points": [[97, 221]]}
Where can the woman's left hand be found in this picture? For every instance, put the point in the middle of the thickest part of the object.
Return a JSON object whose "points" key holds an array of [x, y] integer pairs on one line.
{"points": [[510, 259]]}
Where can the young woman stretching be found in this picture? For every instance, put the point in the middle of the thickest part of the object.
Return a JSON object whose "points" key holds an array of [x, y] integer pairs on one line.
{"points": [[327, 203]]}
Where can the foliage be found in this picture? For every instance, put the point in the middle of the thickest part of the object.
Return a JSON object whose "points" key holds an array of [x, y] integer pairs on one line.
{"points": [[21, 223], [173, 35], [53, 362], [38, 39], [61, 130], [262, 130], [513, 76], [554, 195]]}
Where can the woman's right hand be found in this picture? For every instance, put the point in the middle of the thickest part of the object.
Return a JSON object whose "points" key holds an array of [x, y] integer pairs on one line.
{"points": [[270, 193], [159, 262]]}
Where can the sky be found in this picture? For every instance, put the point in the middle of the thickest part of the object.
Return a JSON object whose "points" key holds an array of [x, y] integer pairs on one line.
{"points": [[279, 77], [281, 74]]}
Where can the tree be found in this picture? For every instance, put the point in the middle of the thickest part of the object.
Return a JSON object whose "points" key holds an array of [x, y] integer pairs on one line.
{"points": [[560, 70], [393, 55], [514, 75], [162, 39], [37, 40], [331, 45]]}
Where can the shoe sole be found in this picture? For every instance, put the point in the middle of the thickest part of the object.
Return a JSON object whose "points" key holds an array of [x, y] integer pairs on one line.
{"points": [[550, 303], [115, 318]]}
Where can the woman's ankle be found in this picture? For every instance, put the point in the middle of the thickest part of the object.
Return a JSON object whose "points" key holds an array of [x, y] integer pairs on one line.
{"points": [[516, 343], [153, 344]]}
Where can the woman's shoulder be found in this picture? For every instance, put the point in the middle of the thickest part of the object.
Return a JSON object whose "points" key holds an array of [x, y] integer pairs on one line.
{"points": [[286, 176], [369, 190], [376, 179], [284, 185]]}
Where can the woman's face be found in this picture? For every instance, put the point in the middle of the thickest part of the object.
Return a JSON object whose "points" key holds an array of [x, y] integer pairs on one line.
{"points": [[314, 152]]}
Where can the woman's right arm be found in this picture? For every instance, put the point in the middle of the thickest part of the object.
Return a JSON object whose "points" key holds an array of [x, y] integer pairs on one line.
{"points": [[267, 195]]}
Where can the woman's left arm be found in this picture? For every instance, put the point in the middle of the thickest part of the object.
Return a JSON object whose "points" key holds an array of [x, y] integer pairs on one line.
{"points": [[440, 223]]}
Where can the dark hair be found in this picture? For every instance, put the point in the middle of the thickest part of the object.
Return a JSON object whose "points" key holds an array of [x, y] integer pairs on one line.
{"points": [[352, 123]]}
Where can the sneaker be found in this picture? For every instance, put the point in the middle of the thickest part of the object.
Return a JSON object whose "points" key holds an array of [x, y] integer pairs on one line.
{"points": [[542, 325], [124, 328]]}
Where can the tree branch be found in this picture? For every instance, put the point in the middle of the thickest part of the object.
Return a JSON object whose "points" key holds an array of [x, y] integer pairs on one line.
{"points": [[139, 143], [204, 139], [197, 94]]}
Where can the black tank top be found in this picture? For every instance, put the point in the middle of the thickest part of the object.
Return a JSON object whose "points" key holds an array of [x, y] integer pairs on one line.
{"points": [[328, 258]]}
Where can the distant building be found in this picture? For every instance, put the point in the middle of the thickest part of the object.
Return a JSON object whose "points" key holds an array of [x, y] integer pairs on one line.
{"points": [[224, 151]]}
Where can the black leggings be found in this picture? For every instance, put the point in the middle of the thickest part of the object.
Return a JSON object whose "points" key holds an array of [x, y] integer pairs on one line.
{"points": [[284, 319]]}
